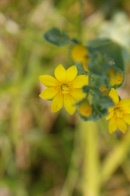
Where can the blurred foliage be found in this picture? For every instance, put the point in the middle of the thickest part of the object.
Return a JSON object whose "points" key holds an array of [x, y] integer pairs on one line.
{"points": [[37, 148]]}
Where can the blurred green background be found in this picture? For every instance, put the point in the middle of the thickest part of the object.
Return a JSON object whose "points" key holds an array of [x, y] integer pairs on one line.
{"points": [[39, 150]]}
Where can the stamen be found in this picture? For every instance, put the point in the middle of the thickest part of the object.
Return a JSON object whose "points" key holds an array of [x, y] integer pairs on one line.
{"points": [[64, 88], [118, 112]]}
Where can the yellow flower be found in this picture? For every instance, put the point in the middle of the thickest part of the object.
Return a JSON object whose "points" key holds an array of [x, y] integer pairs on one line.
{"points": [[85, 109], [116, 78], [79, 53], [119, 114], [65, 89]]}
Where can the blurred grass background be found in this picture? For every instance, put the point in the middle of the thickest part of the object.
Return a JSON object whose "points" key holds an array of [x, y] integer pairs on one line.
{"points": [[40, 151]]}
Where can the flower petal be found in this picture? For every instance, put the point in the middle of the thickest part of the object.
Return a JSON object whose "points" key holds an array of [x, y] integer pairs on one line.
{"points": [[125, 105], [110, 115], [114, 96], [71, 73], [60, 73], [80, 81], [85, 109], [57, 102], [79, 52], [85, 64], [69, 104], [126, 118], [116, 78], [77, 93], [48, 80], [48, 93], [112, 125], [121, 124]]}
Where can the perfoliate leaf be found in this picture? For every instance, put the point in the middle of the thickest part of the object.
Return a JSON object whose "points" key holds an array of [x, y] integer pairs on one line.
{"points": [[98, 64], [111, 50], [57, 37], [105, 102]]}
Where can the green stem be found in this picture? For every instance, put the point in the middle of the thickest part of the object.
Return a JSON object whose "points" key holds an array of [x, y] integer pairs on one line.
{"points": [[91, 162], [115, 158], [80, 27], [73, 171]]}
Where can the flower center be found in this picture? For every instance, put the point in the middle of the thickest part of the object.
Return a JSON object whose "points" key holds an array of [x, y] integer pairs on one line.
{"points": [[118, 112], [64, 88]]}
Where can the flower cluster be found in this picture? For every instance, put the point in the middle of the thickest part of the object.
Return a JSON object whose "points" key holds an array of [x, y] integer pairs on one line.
{"points": [[89, 86], [119, 114]]}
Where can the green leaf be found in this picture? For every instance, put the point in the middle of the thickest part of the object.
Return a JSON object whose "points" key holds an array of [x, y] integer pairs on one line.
{"points": [[57, 37], [106, 102], [98, 102], [80, 68], [112, 51], [91, 89], [98, 64]]}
